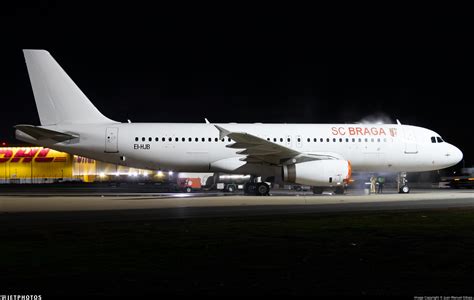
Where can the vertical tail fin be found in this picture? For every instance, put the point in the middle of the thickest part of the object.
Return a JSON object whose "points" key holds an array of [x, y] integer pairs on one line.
{"points": [[58, 99]]}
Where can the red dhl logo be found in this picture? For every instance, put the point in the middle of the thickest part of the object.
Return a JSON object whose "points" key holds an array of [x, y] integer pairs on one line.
{"points": [[27, 155]]}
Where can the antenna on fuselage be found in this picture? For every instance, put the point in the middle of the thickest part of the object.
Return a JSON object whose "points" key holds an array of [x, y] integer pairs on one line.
{"points": [[207, 121]]}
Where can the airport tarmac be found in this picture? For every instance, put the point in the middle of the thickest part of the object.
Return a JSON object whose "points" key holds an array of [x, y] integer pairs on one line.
{"points": [[180, 205]]}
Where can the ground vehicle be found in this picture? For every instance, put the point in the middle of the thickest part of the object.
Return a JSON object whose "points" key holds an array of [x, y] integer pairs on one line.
{"points": [[210, 182], [188, 184], [461, 182]]}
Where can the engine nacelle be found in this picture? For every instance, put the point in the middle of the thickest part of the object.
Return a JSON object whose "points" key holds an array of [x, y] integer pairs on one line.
{"points": [[318, 172]]}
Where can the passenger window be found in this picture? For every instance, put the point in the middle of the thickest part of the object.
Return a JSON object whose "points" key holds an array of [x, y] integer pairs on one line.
{"points": [[176, 139], [150, 139], [340, 140], [378, 140], [216, 139], [321, 140], [163, 139], [203, 139], [157, 139], [170, 139], [268, 139], [360, 140], [309, 140], [433, 139], [209, 139], [299, 140], [281, 140], [288, 139], [327, 140], [274, 139], [334, 140], [366, 140], [353, 140], [228, 139], [315, 140], [196, 139], [143, 139], [347, 140], [136, 139], [183, 139], [372, 140]]}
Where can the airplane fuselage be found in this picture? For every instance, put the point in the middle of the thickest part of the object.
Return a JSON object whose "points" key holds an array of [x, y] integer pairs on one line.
{"points": [[197, 147]]}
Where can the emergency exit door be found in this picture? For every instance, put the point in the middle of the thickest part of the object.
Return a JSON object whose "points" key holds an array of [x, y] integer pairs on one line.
{"points": [[111, 140]]}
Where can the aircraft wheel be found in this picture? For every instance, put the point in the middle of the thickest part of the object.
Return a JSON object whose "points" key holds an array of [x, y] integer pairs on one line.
{"points": [[188, 189], [230, 189], [250, 188], [404, 189], [339, 190], [317, 190], [263, 189]]}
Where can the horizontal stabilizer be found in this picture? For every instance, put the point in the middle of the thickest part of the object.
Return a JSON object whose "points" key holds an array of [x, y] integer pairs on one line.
{"points": [[43, 134]]}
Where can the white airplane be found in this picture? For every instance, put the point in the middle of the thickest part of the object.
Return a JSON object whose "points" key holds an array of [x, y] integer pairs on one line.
{"points": [[319, 155]]}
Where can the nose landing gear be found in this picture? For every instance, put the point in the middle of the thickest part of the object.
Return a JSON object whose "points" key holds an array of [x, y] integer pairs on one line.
{"points": [[402, 183]]}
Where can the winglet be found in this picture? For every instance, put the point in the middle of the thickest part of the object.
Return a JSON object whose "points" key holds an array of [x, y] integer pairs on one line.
{"points": [[207, 121], [398, 122], [222, 132]]}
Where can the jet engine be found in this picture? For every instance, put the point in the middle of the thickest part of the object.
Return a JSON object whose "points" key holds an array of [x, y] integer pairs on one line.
{"points": [[318, 172]]}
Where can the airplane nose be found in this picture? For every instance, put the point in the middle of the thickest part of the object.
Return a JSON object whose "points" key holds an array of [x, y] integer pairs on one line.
{"points": [[458, 154], [455, 155]]}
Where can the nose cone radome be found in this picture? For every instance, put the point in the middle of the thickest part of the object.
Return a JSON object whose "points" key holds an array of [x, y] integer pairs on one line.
{"points": [[455, 155]]}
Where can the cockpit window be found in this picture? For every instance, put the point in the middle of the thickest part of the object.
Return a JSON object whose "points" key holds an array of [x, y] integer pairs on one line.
{"points": [[439, 139], [433, 139]]}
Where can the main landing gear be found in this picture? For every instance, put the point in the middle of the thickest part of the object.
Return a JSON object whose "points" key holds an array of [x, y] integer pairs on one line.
{"points": [[402, 183], [257, 188]]}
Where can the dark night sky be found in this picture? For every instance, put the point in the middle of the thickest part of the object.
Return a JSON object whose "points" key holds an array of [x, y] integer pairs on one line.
{"points": [[170, 67]]}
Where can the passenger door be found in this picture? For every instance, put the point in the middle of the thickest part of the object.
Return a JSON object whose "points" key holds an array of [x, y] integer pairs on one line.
{"points": [[410, 141], [111, 140]]}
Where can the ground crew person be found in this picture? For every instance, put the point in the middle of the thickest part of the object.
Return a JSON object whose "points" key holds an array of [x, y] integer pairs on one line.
{"points": [[373, 180], [381, 181]]}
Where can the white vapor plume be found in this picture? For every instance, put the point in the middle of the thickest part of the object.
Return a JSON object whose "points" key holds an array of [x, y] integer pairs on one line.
{"points": [[377, 118]]}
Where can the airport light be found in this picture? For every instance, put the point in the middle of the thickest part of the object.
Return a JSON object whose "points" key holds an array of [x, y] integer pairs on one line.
{"points": [[101, 174], [170, 173], [159, 173]]}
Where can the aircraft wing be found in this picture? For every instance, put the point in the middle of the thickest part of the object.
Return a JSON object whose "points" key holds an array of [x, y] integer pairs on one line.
{"points": [[43, 133], [258, 150]]}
